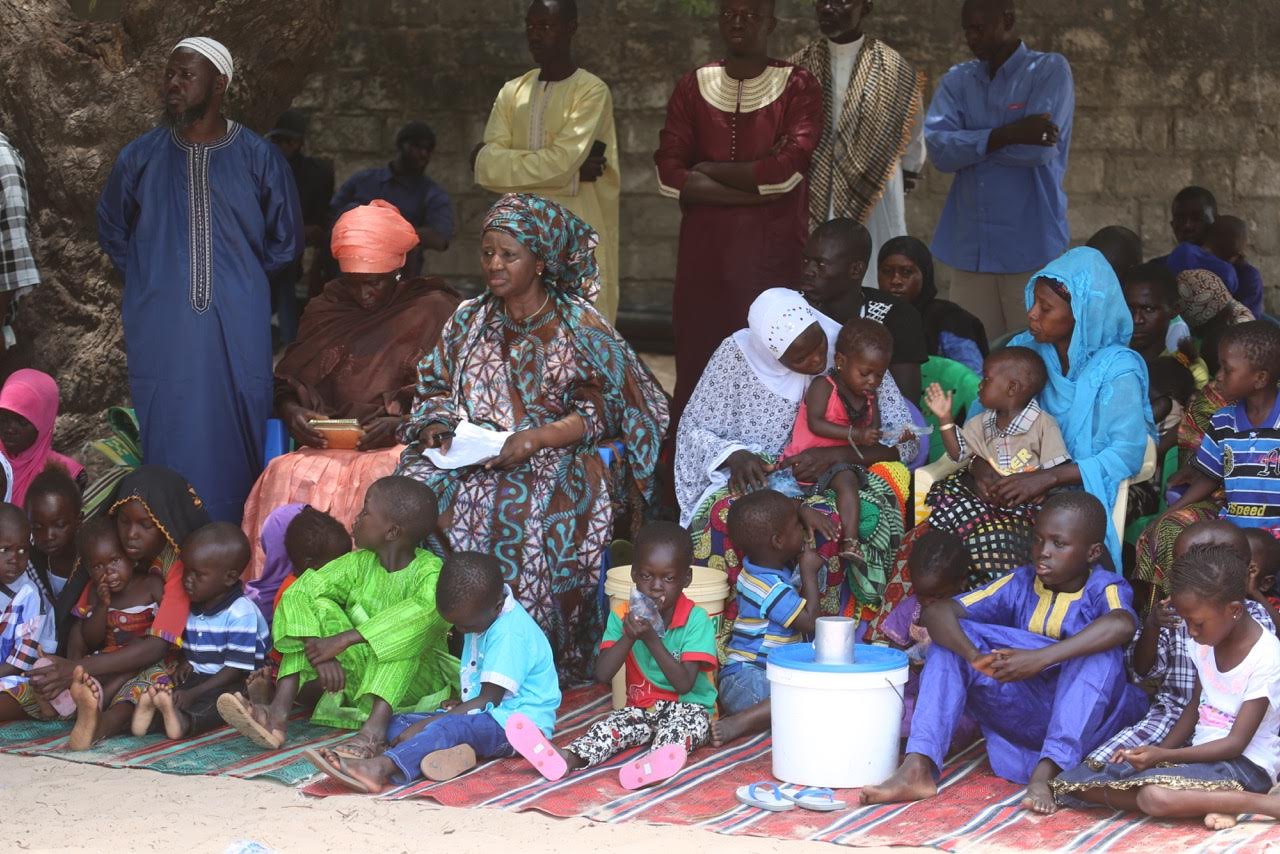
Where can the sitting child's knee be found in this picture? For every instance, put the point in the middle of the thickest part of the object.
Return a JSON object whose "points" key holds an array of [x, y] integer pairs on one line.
{"points": [[846, 479], [743, 687], [1155, 800]]}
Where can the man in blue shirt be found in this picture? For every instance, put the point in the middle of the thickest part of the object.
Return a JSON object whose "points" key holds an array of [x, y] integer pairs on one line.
{"points": [[1002, 125], [405, 184]]}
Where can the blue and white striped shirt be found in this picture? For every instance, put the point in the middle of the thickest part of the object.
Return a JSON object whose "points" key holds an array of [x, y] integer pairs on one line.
{"points": [[1246, 458], [768, 604], [230, 632]]}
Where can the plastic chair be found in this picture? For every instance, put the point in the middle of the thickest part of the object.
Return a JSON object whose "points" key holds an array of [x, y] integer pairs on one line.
{"points": [[278, 441], [953, 377], [608, 451], [927, 476], [1135, 528]]}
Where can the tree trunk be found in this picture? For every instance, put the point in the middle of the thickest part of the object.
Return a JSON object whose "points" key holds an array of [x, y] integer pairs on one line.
{"points": [[72, 94]]}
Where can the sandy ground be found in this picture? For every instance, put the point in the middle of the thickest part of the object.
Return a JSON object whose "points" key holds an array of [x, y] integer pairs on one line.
{"points": [[50, 805]]}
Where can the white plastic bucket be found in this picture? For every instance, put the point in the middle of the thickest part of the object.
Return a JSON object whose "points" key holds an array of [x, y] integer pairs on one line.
{"points": [[710, 589], [862, 701]]}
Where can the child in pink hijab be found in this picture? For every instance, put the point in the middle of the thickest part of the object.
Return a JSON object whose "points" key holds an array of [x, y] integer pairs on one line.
{"points": [[28, 410]]}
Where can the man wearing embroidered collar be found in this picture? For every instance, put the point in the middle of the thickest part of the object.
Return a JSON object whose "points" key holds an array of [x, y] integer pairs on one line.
{"points": [[195, 215], [735, 152], [872, 151], [551, 131], [1001, 124]]}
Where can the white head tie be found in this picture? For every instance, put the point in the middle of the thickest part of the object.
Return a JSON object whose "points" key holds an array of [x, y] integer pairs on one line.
{"points": [[775, 321], [212, 50], [778, 317]]}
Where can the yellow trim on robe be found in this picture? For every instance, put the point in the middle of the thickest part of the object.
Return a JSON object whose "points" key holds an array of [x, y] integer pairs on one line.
{"points": [[574, 114], [1040, 616], [1113, 598], [985, 592], [1051, 610]]}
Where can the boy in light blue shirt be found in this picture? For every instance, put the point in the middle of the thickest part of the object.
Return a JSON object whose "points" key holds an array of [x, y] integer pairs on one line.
{"points": [[506, 667]]}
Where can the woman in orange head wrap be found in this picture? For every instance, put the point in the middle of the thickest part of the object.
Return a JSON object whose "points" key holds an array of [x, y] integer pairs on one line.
{"points": [[355, 357]]}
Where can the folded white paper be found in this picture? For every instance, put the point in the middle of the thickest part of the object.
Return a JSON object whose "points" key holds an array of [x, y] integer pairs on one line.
{"points": [[471, 446]]}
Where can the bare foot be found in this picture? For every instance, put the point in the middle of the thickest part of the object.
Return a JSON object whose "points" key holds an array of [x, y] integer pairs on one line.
{"points": [[1219, 821], [725, 730], [1039, 798], [86, 691], [260, 687], [911, 782], [176, 723], [144, 713]]}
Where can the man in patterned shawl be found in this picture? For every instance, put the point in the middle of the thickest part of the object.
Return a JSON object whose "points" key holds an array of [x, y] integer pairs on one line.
{"points": [[872, 151]]}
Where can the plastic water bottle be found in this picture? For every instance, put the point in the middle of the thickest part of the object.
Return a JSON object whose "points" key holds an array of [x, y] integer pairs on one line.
{"points": [[645, 608]]}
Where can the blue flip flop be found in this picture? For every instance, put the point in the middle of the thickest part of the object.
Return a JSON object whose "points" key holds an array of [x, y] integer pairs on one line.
{"points": [[765, 796], [816, 799]]}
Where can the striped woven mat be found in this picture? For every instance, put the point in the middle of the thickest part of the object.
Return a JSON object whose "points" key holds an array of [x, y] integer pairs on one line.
{"points": [[975, 810]]}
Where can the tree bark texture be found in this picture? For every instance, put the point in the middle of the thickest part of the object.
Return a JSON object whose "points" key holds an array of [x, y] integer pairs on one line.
{"points": [[72, 94]]}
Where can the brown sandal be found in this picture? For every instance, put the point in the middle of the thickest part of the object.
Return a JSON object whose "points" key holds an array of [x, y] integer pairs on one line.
{"points": [[360, 747]]}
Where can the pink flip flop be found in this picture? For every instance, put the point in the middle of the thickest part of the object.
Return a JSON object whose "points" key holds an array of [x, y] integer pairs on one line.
{"points": [[529, 742], [654, 767]]}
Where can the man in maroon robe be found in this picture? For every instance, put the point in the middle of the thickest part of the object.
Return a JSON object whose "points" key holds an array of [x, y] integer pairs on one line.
{"points": [[735, 151]]}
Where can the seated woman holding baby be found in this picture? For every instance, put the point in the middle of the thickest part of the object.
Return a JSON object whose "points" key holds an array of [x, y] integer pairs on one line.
{"points": [[355, 358], [745, 429], [1094, 387]]}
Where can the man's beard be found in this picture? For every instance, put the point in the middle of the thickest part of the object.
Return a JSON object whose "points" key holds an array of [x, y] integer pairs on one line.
{"points": [[186, 118]]}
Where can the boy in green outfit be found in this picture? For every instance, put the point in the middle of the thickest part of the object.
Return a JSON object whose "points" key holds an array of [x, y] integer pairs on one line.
{"points": [[670, 695], [365, 627]]}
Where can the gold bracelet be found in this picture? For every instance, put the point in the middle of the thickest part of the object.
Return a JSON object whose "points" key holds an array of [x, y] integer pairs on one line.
{"points": [[950, 426]]}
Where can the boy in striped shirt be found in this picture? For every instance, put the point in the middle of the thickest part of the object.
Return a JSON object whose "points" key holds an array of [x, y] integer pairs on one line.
{"points": [[1240, 452], [778, 601], [225, 640]]}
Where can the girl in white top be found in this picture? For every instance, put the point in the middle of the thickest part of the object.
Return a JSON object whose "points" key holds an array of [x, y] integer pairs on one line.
{"points": [[1231, 762]]}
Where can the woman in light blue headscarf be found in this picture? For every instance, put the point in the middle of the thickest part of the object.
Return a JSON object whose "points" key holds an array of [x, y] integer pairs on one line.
{"points": [[1097, 389]]}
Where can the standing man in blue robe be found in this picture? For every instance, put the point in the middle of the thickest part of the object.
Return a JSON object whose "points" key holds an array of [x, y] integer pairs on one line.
{"points": [[196, 215]]}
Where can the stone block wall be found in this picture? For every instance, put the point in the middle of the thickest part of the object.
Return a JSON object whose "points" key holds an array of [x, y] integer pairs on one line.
{"points": [[1169, 92]]}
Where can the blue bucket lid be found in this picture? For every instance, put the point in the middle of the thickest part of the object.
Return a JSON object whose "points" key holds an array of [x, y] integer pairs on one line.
{"points": [[866, 659]]}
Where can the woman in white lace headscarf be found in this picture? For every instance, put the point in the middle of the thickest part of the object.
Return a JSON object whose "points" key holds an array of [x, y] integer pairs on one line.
{"points": [[740, 419]]}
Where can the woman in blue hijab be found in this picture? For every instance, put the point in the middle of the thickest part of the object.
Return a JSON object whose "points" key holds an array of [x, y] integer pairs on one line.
{"points": [[1097, 389]]}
